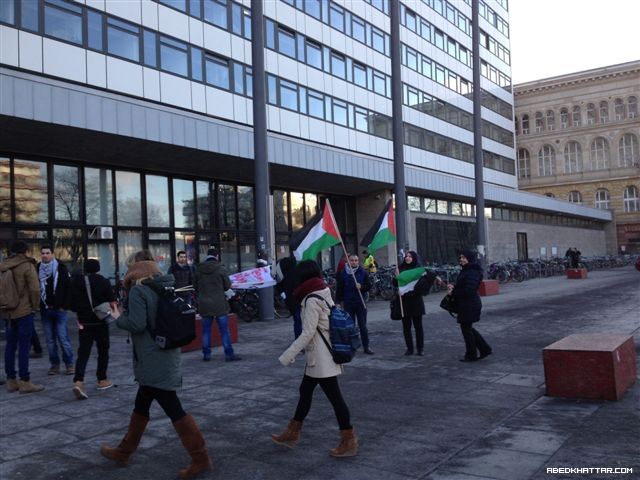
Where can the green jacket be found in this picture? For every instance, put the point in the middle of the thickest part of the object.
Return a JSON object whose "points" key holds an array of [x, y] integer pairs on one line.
{"points": [[27, 284], [210, 282], [152, 366]]}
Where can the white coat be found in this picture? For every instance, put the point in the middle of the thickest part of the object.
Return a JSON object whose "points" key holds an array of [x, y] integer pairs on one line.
{"points": [[314, 313]]}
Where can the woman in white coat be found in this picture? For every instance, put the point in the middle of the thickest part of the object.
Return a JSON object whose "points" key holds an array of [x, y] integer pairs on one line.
{"points": [[320, 369]]}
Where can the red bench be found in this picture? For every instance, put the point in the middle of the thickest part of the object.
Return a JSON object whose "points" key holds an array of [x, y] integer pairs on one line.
{"points": [[215, 334], [592, 366], [576, 273]]}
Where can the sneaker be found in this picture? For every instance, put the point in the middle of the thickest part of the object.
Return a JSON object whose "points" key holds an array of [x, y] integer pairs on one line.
{"points": [[104, 384], [234, 358], [28, 387], [70, 370], [78, 391], [55, 370]]}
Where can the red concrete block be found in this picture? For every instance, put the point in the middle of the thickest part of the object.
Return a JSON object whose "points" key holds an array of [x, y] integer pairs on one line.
{"points": [[215, 334], [590, 366], [489, 287], [576, 273]]}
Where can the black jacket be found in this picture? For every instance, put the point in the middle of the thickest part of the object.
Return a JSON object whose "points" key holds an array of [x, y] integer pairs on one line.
{"points": [[101, 292], [466, 294], [412, 302], [289, 282], [183, 275], [62, 294]]}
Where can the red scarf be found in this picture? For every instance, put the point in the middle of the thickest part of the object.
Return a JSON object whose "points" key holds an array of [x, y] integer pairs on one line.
{"points": [[309, 286]]}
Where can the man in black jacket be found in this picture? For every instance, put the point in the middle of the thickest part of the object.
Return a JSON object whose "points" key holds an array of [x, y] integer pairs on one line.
{"points": [[91, 328], [184, 274], [54, 302]]}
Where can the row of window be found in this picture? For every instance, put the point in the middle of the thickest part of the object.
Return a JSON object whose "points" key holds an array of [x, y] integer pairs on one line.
{"points": [[494, 19], [332, 14], [451, 13], [496, 104], [285, 94], [600, 158], [448, 207], [434, 36], [602, 198], [432, 142], [435, 107], [422, 64], [382, 5], [496, 76], [594, 114], [297, 46], [495, 47]]}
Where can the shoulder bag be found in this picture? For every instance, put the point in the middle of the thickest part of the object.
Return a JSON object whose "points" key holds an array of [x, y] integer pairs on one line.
{"points": [[102, 310], [448, 303]]}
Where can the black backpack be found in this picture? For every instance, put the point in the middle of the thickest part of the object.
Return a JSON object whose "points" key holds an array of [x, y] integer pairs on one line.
{"points": [[343, 333], [175, 324]]}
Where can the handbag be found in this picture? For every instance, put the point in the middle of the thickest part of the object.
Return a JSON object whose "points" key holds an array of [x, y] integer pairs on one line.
{"points": [[394, 305], [448, 303], [102, 310]]}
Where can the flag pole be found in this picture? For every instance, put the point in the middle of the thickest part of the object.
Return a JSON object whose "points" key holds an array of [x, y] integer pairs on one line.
{"points": [[344, 249], [395, 249]]}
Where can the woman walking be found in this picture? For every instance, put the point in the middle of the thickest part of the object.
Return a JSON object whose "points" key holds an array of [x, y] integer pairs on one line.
{"points": [[87, 291], [320, 369], [157, 371], [413, 306], [465, 295]]}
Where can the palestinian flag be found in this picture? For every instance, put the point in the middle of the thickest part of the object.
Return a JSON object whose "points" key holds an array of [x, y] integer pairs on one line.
{"points": [[319, 234], [407, 280], [383, 231]]}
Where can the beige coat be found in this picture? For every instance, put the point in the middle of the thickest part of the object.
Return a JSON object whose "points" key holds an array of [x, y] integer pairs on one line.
{"points": [[314, 313]]}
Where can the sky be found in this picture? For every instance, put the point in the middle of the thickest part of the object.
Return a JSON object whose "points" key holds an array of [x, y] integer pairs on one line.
{"points": [[555, 37]]}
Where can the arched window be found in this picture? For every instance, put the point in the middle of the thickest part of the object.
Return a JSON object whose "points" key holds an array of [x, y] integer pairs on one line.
{"points": [[539, 122], [632, 107], [604, 112], [546, 161], [599, 154], [550, 195], [631, 200], [619, 109], [591, 114], [525, 124], [576, 116], [572, 157], [551, 120], [575, 197], [602, 198], [564, 118], [524, 163], [628, 152]]}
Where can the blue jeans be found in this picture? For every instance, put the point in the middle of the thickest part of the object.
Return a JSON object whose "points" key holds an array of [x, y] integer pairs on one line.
{"points": [[55, 330], [297, 322], [18, 333], [359, 314], [223, 326]]}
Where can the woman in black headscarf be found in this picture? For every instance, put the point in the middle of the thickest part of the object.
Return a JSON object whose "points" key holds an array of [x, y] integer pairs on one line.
{"points": [[465, 295], [413, 307]]}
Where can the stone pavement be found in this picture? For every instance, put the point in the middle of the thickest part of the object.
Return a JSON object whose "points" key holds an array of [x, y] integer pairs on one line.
{"points": [[428, 418]]}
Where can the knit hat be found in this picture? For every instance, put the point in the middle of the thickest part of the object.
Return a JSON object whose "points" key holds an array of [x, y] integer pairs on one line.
{"points": [[470, 255], [91, 266]]}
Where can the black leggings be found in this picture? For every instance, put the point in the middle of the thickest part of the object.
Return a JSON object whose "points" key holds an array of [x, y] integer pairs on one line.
{"points": [[168, 400], [331, 389]]}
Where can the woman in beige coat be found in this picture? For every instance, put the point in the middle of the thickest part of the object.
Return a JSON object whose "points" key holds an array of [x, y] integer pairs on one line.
{"points": [[320, 369]]}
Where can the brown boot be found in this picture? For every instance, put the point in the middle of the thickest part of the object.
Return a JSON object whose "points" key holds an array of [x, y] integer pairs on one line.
{"points": [[28, 387], [12, 385], [193, 441], [129, 443], [290, 436], [348, 446]]}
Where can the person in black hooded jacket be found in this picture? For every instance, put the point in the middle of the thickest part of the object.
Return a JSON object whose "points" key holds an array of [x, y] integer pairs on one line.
{"points": [[465, 294]]}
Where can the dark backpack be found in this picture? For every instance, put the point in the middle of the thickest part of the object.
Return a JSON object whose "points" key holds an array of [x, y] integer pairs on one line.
{"points": [[343, 333], [175, 324]]}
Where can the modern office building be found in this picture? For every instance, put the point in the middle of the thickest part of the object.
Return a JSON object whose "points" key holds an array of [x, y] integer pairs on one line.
{"points": [[578, 139], [128, 124]]}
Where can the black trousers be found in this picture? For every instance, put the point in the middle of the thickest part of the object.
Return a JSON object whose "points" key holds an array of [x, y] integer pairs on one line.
{"points": [[331, 389], [167, 399], [473, 341], [89, 334], [416, 321]]}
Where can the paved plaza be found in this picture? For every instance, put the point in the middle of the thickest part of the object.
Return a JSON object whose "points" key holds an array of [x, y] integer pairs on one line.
{"points": [[428, 418]]}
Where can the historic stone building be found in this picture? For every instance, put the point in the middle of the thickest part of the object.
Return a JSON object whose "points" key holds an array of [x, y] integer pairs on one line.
{"points": [[578, 138]]}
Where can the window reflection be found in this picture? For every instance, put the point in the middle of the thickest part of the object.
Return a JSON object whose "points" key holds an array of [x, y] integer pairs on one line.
{"points": [[247, 252], [98, 196], [129, 242], [30, 185], [229, 251], [128, 199], [160, 248], [66, 193], [204, 204], [63, 20], [183, 205], [106, 254], [297, 210], [310, 205], [157, 201], [68, 247], [280, 211], [5, 190], [245, 208], [226, 206]]}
